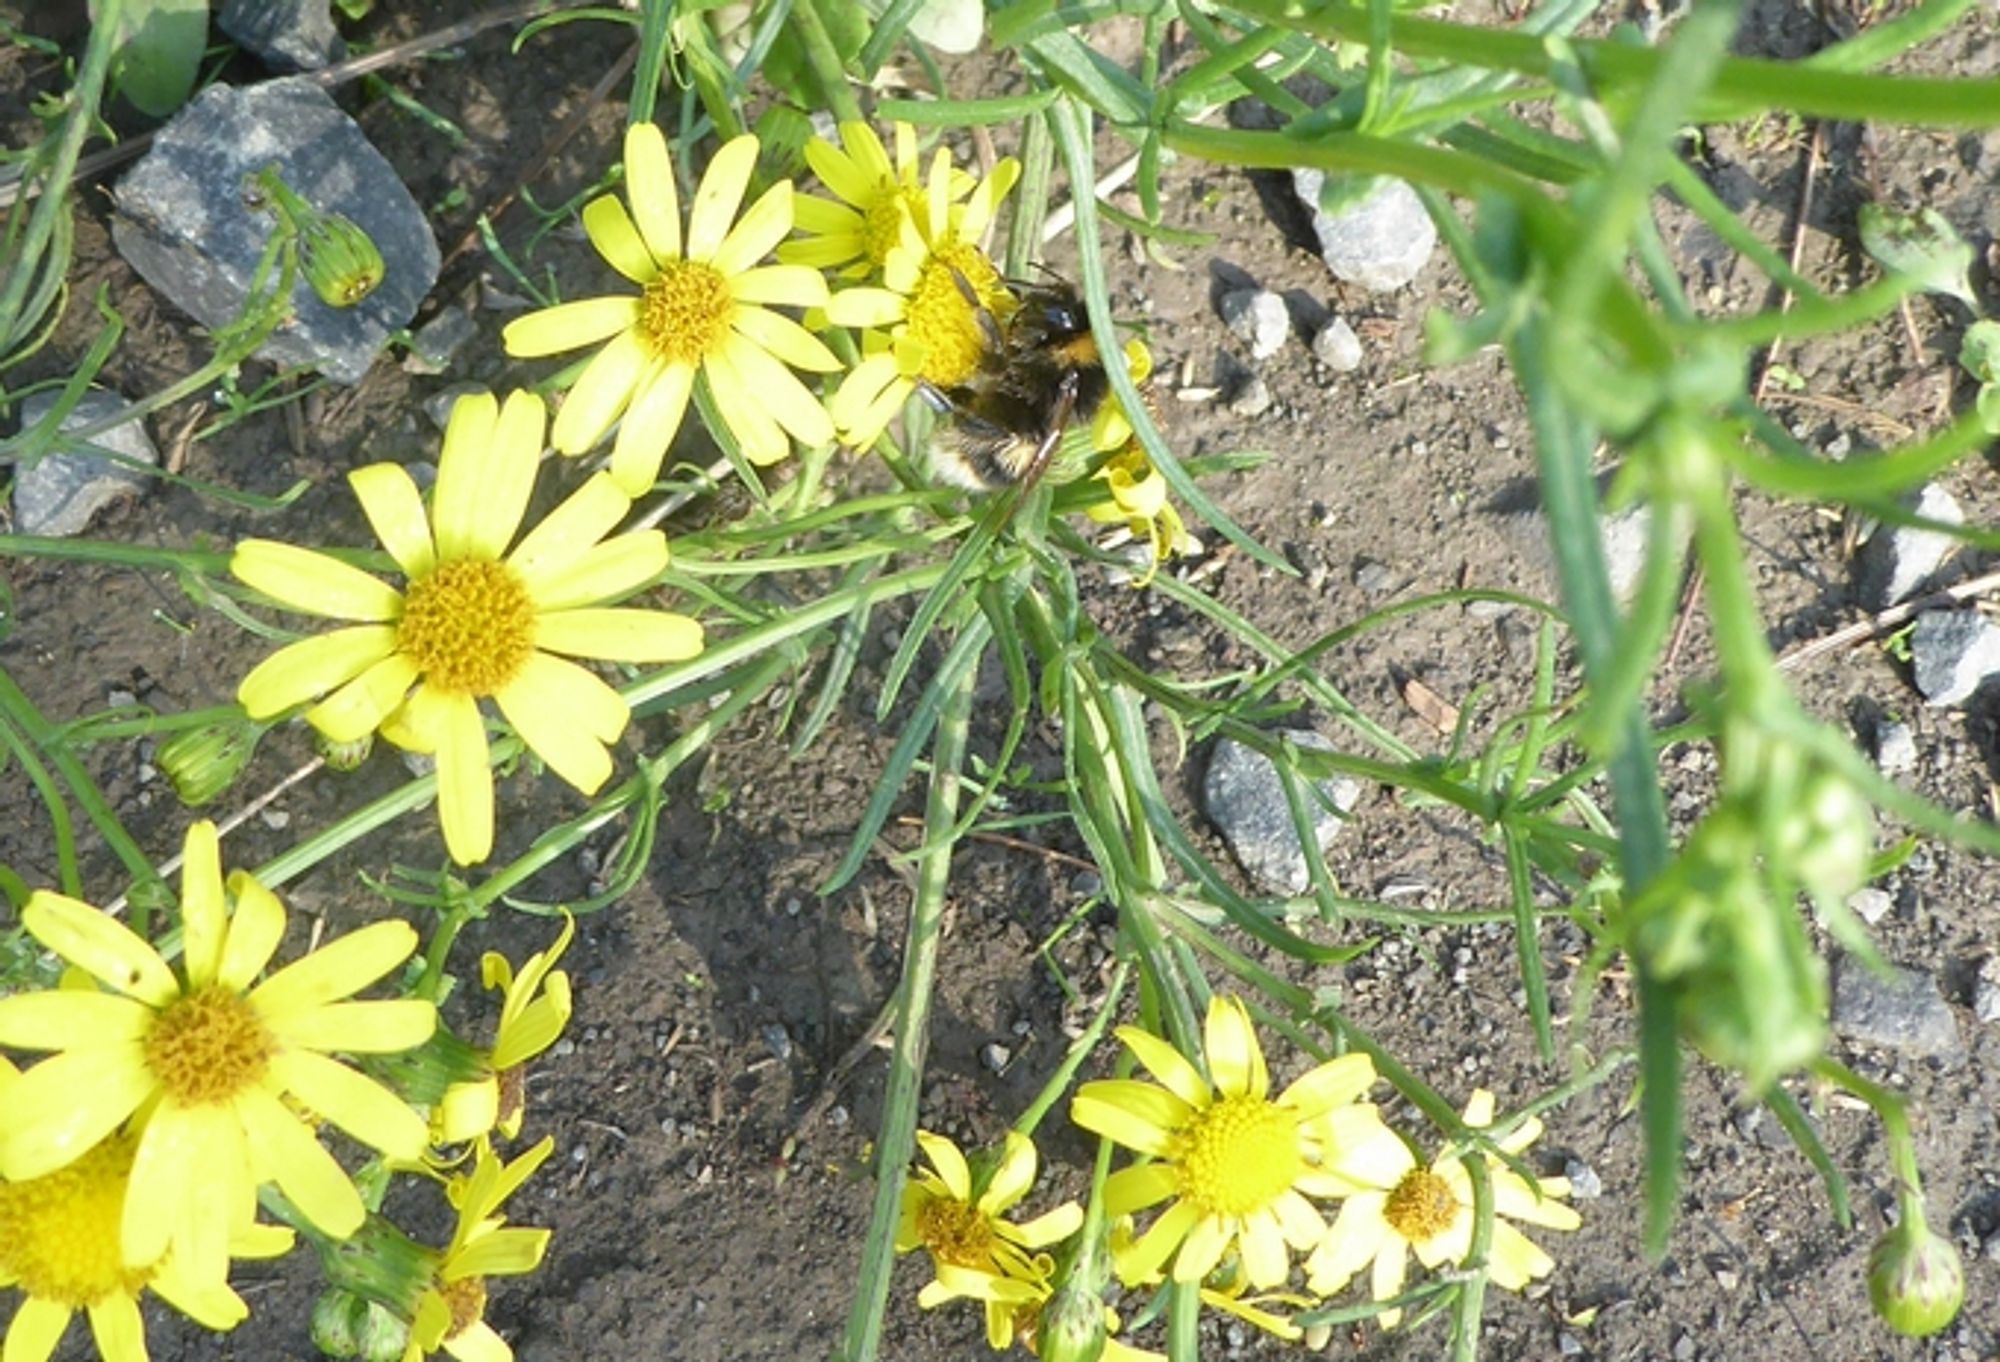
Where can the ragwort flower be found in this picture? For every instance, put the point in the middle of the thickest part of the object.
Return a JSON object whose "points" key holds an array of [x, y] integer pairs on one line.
{"points": [[475, 619], [923, 324], [450, 1311], [704, 304], [1139, 500], [856, 233], [534, 1008], [1429, 1211], [975, 1251], [1237, 1165], [60, 1243], [204, 1062]]}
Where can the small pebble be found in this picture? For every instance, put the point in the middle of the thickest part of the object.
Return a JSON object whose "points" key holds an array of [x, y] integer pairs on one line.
{"points": [[1258, 317], [995, 1056], [1871, 904], [1337, 347], [1584, 1184], [1253, 399]]}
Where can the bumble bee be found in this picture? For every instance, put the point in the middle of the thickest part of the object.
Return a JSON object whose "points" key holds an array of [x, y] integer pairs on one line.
{"points": [[1039, 372]]}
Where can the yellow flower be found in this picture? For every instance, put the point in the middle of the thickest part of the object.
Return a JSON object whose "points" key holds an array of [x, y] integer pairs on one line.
{"points": [[975, 1252], [471, 622], [705, 303], [1236, 1165], [59, 1242], [451, 1311], [207, 1062], [1139, 499], [930, 330], [874, 195], [1429, 1210], [534, 1008]]}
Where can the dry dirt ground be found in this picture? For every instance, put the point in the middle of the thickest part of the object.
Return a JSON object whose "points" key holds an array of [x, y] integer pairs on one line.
{"points": [[714, 1002]]}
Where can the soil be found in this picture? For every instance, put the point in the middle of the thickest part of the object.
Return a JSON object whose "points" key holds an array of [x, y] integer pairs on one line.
{"points": [[711, 1187]]}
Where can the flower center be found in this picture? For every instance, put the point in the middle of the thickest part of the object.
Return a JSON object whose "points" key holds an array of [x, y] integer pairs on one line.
{"points": [[882, 224], [59, 1232], [956, 1233], [208, 1046], [1236, 1156], [1422, 1206], [467, 1299], [469, 626], [687, 310], [944, 321]]}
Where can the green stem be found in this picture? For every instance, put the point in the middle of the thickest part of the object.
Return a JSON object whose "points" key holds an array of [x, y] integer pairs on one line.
{"points": [[1079, 1051], [913, 1005], [824, 58]]}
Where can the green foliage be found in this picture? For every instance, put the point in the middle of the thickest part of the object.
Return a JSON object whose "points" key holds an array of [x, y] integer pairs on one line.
{"points": [[159, 44]]}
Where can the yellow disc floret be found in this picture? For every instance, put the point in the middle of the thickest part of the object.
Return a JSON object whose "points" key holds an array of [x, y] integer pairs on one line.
{"points": [[59, 1232], [469, 626], [882, 223], [956, 1232], [945, 321], [686, 310], [208, 1046], [1422, 1205], [1236, 1156]]}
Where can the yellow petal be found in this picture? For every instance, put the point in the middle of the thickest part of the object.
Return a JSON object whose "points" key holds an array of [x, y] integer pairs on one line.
{"points": [[186, 1176], [1235, 1060], [838, 170], [536, 1027], [70, 1019], [359, 707], [1168, 1065], [650, 426], [1051, 1227], [115, 1326], [612, 635], [1329, 1085], [649, 181], [312, 583], [768, 222], [477, 1342], [1266, 1261], [395, 511], [762, 439], [950, 1163], [212, 1305], [1014, 1176], [780, 285], [311, 667], [823, 218], [865, 307], [63, 1106], [788, 400], [203, 925], [1357, 1235], [503, 1253], [570, 326], [1202, 1249], [101, 945], [603, 391], [1139, 1185], [719, 195], [785, 339], [354, 1102], [340, 968], [485, 476], [1141, 1262], [39, 1324], [611, 570], [283, 1147], [374, 1027], [820, 252], [465, 780], [1136, 1115], [566, 533], [254, 932], [610, 229], [543, 703]]}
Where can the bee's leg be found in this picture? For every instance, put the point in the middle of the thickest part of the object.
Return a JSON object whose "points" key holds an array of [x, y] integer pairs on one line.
{"points": [[989, 329], [1053, 433], [934, 397]]}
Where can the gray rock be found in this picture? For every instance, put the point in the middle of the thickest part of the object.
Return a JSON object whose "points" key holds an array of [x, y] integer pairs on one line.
{"points": [[1903, 1011], [1899, 559], [1584, 1184], [439, 404], [1257, 317], [1253, 399], [1871, 904], [1895, 748], [1245, 799], [1623, 536], [1986, 990], [287, 35], [1379, 243], [61, 491], [1376, 579], [182, 221], [438, 340], [1337, 347], [1952, 652]]}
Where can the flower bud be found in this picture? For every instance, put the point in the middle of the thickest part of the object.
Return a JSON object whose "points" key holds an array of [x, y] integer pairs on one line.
{"points": [[343, 756], [1072, 1325], [1915, 1281], [345, 1325], [202, 763], [338, 258], [1837, 837], [1923, 245]]}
